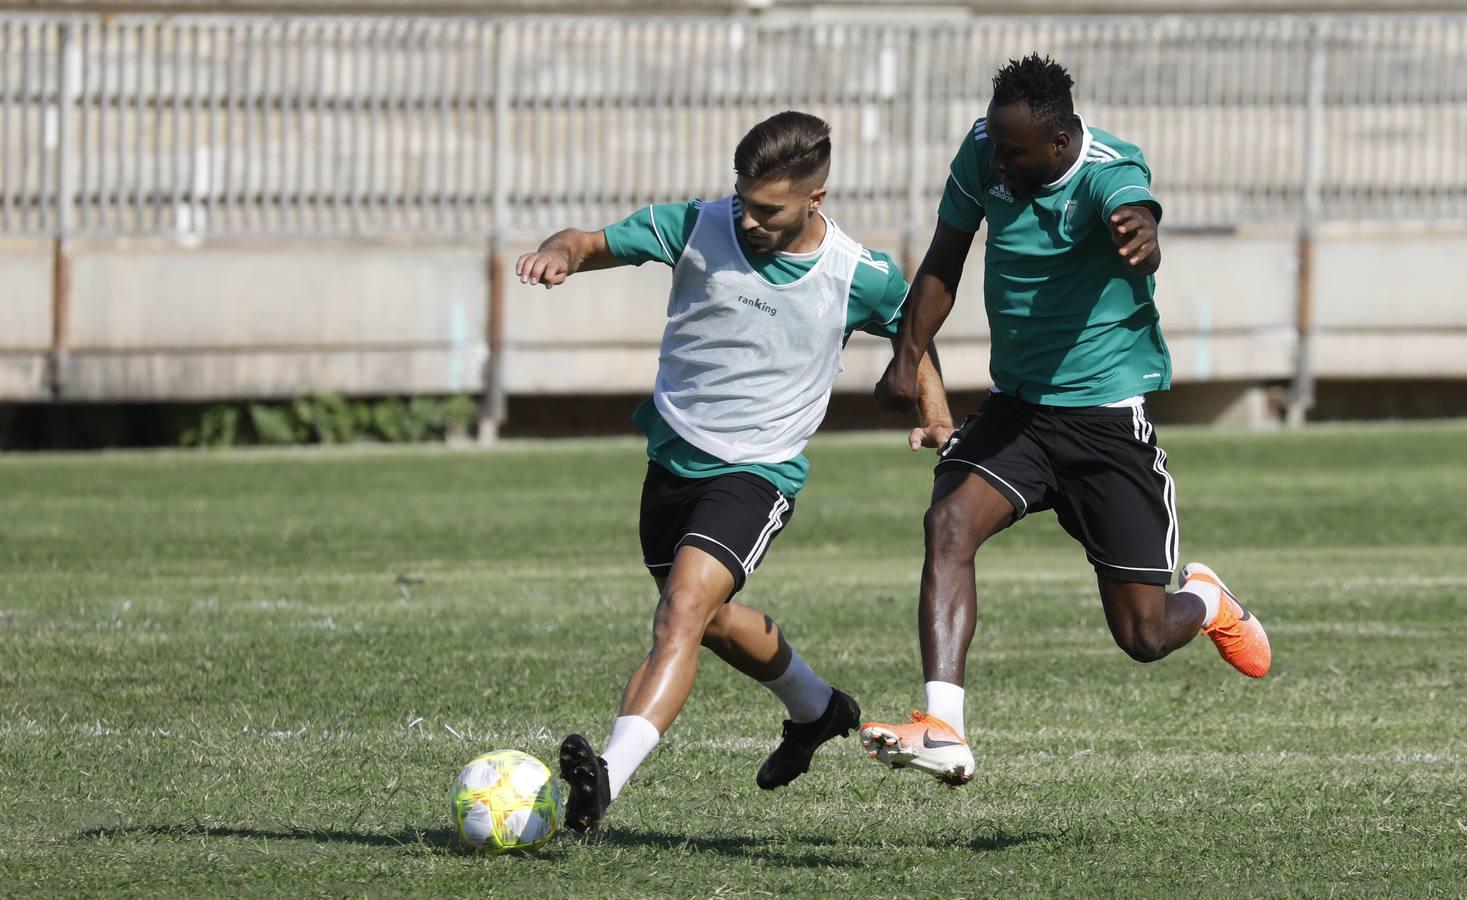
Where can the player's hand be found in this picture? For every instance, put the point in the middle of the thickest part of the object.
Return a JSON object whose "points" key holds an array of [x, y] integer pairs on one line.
{"points": [[929, 436], [1133, 228], [547, 267], [897, 390]]}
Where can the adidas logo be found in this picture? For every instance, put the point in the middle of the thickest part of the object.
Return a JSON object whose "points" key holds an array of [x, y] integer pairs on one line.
{"points": [[1001, 191]]}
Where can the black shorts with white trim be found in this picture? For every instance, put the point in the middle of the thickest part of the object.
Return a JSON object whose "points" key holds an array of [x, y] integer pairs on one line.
{"points": [[1098, 467], [733, 517]]}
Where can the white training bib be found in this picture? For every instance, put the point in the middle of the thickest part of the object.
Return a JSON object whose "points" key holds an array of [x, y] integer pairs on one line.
{"points": [[747, 366]]}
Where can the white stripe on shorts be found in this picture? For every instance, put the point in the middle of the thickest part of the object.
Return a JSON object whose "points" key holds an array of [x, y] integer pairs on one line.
{"points": [[771, 527], [1169, 492], [999, 479], [706, 538]]}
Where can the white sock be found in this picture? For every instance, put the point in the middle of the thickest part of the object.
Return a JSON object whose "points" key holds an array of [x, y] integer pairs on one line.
{"points": [[632, 738], [802, 692], [1210, 595], [945, 701]]}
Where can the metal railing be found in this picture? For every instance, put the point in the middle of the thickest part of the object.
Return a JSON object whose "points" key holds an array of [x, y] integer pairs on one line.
{"points": [[136, 125]]}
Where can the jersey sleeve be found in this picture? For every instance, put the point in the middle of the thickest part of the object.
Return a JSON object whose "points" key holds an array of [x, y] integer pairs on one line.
{"points": [[962, 206], [1123, 183], [878, 292], [656, 233]]}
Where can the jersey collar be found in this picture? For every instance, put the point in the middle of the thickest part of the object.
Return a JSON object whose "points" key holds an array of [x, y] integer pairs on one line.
{"points": [[811, 254], [1079, 160]]}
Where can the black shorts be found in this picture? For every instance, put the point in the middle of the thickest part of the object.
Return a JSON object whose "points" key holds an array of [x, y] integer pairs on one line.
{"points": [[1097, 467], [734, 517]]}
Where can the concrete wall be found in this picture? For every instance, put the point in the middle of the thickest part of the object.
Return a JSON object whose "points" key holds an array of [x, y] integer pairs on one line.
{"points": [[1227, 306], [1396, 306], [156, 320], [1386, 306], [26, 271]]}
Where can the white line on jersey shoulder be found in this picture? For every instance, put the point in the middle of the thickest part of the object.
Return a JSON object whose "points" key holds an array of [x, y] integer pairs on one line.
{"points": [[959, 185], [652, 209], [867, 259]]}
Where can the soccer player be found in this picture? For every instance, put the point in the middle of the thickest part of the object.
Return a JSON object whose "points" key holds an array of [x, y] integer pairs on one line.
{"points": [[1068, 287], [766, 290]]}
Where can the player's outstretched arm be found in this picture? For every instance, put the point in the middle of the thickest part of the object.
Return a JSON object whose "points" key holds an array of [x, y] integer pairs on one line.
{"points": [[933, 414], [563, 254], [1133, 228], [930, 300]]}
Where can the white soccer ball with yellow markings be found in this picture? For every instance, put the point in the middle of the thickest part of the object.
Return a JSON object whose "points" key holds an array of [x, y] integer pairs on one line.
{"points": [[506, 800]]}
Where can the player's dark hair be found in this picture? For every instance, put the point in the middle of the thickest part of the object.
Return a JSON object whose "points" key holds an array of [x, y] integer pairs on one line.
{"points": [[789, 145], [1044, 85]]}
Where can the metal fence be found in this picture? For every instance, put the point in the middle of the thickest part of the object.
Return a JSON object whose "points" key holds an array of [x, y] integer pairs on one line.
{"points": [[133, 125]]}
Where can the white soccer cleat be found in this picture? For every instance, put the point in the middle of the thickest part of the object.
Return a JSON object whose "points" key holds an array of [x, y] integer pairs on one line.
{"points": [[926, 743]]}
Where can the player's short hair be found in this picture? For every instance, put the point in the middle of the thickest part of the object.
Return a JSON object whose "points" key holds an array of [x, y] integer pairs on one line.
{"points": [[789, 145], [1044, 85]]}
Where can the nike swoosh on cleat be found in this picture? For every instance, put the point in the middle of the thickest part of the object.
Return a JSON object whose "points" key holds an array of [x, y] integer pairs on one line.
{"points": [[930, 744]]}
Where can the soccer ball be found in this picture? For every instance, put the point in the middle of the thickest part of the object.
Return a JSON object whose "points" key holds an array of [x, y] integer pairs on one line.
{"points": [[506, 800]]}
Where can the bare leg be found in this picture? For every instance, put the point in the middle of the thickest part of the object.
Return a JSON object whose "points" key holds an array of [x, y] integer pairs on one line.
{"points": [[1146, 621], [745, 638], [748, 640], [965, 512], [693, 611], [694, 592]]}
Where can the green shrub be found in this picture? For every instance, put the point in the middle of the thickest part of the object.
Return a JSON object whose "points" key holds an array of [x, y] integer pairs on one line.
{"points": [[331, 419]]}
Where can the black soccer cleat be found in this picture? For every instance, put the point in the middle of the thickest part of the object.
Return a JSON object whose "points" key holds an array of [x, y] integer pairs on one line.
{"points": [[590, 789], [791, 758]]}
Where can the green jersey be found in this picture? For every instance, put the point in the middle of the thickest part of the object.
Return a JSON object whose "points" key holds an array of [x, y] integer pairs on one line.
{"points": [[1071, 324], [659, 233]]}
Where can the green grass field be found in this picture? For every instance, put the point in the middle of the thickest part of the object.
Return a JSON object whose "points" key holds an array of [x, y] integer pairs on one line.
{"points": [[211, 681]]}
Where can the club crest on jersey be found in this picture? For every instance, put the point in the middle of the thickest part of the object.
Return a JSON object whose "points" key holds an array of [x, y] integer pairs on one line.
{"points": [[1069, 216], [1001, 191]]}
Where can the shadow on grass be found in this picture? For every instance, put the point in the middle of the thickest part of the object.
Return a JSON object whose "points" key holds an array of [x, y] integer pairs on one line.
{"points": [[834, 852], [775, 851], [436, 839], [1000, 840], [993, 841]]}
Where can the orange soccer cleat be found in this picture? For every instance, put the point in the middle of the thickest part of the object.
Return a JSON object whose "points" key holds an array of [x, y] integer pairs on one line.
{"points": [[1239, 636], [926, 743]]}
